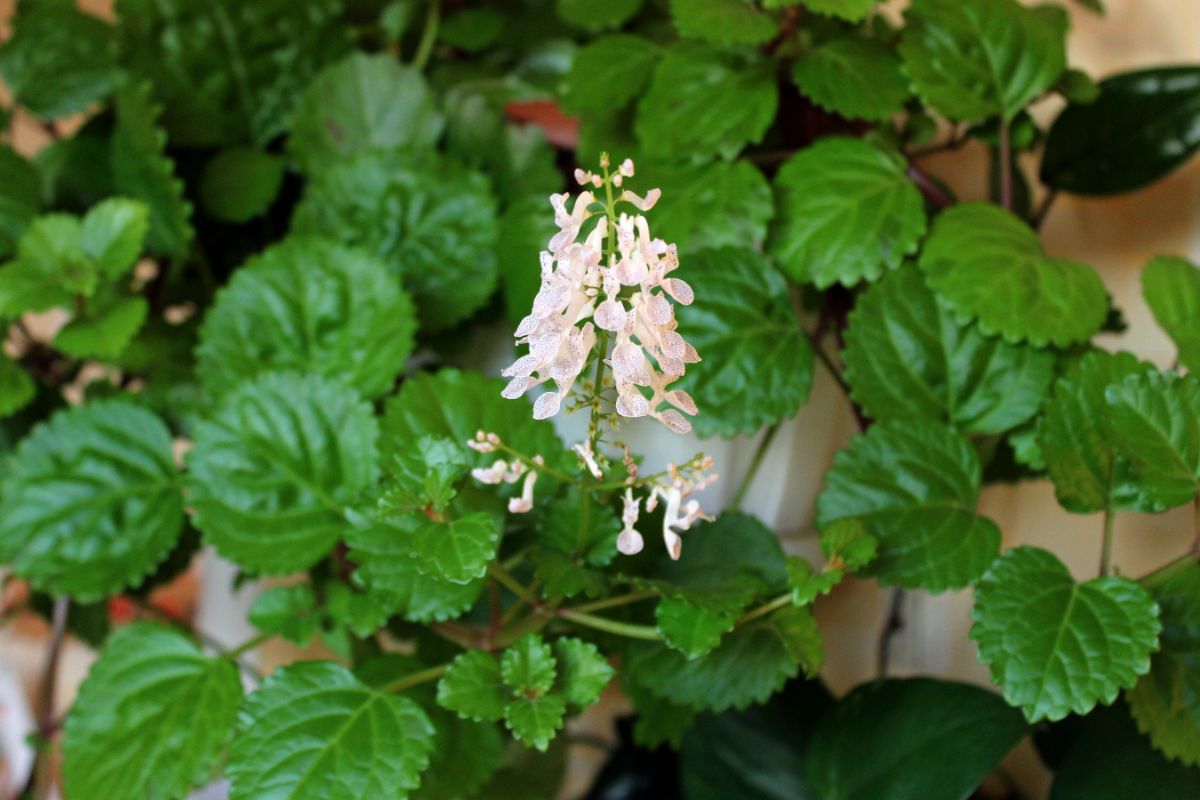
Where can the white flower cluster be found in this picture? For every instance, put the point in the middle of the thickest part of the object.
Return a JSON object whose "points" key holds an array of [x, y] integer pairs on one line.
{"points": [[502, 471], [677, 516], [648, 353]]}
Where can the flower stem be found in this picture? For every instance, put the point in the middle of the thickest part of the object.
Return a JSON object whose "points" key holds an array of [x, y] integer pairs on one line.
{"points": [[247, 646], [626, 629], [1006, 181], [759, 455], [505, 579], [1106, 547], [531, 464], [429, 34], [612, 602], [779, 602], [415, 679]]}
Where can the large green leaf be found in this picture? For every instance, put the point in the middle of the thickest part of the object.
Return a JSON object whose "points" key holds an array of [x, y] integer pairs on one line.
{"points": [[50, 270], [311, 305], [274, 469], [152, 718], [916, 739], [758, 364], [229, 72], [59, 59], [847, 213], [723, 21], [907, 357], [313, 731], [456, 550], [431, 221], [607, 73], [973, 59], [705, 101], [91, 501], [986, 263], [725, 203], [363, 103], [1056, 646], [20, 198], [1171, 287], [1144, 124], [854, 77], [1154, 419], [914, 485], [1166, 701], [142, 170], [287, 611]]}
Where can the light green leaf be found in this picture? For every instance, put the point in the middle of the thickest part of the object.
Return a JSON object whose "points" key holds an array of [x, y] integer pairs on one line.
{"points": [[50, 269], [240, 183], [431, 221], [856, 78], [362, 103], [112, 234], [17, 388], [528, 666], [104, 329], [705, 101], [142, 170], [59, 59], [690, 629], [287, 611], [20, 198], [987, 264], [1073, 436], [472, 687], [906, 357], [1154, 420], [457, 550], [973, 59], [308, 304], [313, 730], [593, 16], [916, 739], [724, 203], [151, 720], [273, 471], [91, 501], [847, 213], [723, 21], [1055, 646], [1171, 287], [607, 73], [914, 484], [758, 365], [1166, 700], [535, 720], [849, 10], [583, 673]]}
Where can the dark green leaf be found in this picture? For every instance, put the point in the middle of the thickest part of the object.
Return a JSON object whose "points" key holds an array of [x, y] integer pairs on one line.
{"points": [[471, 29], [723, 21], [856, 78], [17, 388], [457, 550], [850, 10], [1171, 287], [104, 329], [527, 666], [725, 203], [240, 183], [525, 228], [50, 269], [20, 198], [287, 611], [609, 72], [472, 687], [690, 629], [593, 16], [583, 673]]}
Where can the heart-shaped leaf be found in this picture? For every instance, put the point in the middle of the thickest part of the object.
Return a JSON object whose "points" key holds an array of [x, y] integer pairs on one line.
{"points": [[608, 72], [723, 21], [856, 78]]}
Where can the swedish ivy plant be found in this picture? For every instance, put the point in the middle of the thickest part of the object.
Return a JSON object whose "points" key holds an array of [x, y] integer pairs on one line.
{"points": [[295, 237]]}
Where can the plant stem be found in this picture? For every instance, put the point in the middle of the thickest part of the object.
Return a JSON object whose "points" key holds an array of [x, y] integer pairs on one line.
{"points": [[428, 35], [43, 769], [1006, 183], [1196, 540], [929, 188], [610, 625], [759, 455], [531, 464], [1106, 547], [506, 579], [1039, 216], [891, 626], [612, 602], [774, 605], [415, 679], [827, 360], [247, 646]]}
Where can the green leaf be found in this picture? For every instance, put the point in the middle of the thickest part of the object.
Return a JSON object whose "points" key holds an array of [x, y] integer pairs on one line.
{"points": [[457, 550], [362, 103], [849, 10], [593, 16], [1171, 287], [384, 554], [974, 59], [17, 388], [1166, 700], [465, 755], [1074, 438], [915, 739], [528, 666], [535, 720], [287, 611], [608, 72], [987, 264], [20, 198], [142, 170], [1144, 124], [471, 29], [856, 78], [472, 687], [658, 721], [105, 329], [564, 576], [583, 673], [525, 229], [907, 357], [313, 730], [151, 720], [1154, 419], [308, 304], [1055, 646], [431, 221], [704, 101], [240, 183], [725, 203], [274, 469], [723, 21], [112, 234], [91, 502], [59, 60], [563, 529], [690, 629], [914, 484], [743, 324], [847, 213], [50, 269]]}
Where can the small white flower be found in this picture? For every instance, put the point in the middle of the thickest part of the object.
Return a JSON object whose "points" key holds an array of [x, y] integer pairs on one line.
{"points": [[484, 442], [524, 503], [629, 541], [585, 453]]}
